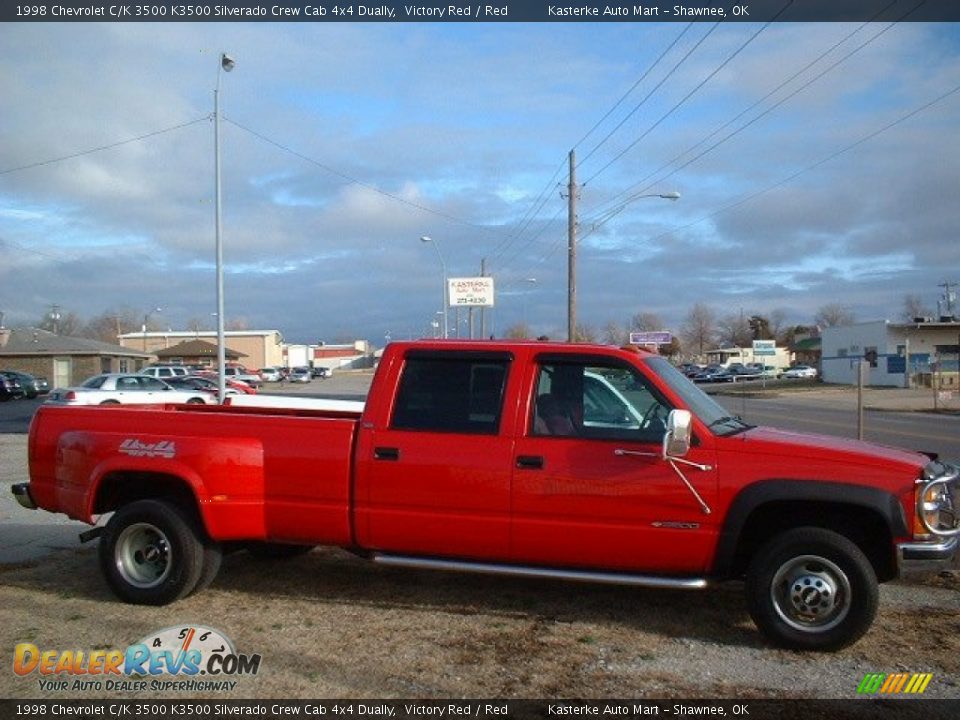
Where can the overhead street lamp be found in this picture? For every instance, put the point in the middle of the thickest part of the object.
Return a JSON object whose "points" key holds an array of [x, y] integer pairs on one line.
{"points": [[443, 268], [226, 65], [523, 298], [146, 318], [572, 245]]}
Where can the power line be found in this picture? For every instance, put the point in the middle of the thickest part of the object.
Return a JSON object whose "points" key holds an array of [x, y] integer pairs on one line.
{"points": [[634, 87], [637, 189], [81, 153], [689, 94], [356, 181], [794, 176]]}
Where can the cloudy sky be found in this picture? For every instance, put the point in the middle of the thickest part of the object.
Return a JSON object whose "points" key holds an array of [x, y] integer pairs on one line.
{"points": [[817, 163]]}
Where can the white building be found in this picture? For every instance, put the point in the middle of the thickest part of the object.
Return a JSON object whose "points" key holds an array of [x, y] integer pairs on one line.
{"points": [[724, 356], [890, 348]]}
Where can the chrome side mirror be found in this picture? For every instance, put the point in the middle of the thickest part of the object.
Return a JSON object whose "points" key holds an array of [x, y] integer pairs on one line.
{"points": [[676, 440]]}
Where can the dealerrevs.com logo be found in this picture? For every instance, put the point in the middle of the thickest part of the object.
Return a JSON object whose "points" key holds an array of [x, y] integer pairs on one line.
{"points": [[894, 683], [189, 658]]}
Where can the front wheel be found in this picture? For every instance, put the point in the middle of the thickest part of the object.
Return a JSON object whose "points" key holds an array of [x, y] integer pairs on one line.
{"points": [[151, 553], [812, 589]]}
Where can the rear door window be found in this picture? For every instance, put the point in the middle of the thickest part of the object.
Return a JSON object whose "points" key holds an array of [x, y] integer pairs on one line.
{"points": [[459, 394]]}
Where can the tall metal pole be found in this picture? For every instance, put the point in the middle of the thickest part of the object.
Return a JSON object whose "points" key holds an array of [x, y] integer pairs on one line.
{"points": [[226, 64], [572, 250], [483, 310]]}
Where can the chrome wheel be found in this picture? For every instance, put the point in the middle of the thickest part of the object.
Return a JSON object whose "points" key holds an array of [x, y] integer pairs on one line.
{"points": [[143, 556], [811, 593]]}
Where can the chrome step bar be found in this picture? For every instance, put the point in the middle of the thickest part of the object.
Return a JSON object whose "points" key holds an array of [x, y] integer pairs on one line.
{"points": [[650, 581]]}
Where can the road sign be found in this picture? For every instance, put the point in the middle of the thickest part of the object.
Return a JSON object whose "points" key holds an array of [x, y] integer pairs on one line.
{"points": [[764, 347], [652, 337]]}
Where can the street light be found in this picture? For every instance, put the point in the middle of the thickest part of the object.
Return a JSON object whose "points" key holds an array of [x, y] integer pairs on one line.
{"points": [[146, 317], [572, 247], [523, 298], [226, 64], [443, 268]]}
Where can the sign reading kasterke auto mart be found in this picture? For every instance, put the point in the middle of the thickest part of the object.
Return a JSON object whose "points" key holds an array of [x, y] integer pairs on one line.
{"points": [[470, 292]]}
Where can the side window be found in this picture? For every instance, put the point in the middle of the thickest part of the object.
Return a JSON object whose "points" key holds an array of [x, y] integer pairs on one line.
{"points": [[597, 401], [149, 383], [451, 395]]}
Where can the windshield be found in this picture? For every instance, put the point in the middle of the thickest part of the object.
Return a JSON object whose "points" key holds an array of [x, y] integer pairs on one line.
{"points": [[708, 410]]}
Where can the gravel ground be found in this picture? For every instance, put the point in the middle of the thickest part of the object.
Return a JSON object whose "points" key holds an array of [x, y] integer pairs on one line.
{"points": [[331, 625]]}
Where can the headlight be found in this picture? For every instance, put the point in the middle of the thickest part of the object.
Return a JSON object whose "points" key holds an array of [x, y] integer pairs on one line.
{"points": [[937, 506]]}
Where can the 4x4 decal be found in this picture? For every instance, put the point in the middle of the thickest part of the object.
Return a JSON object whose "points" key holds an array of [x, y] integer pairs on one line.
{"points": [[135, 448]]}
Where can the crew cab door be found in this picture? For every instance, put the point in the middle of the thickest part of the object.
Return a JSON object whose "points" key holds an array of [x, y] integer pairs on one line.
{"points": [[590, 487], [433, 475]]}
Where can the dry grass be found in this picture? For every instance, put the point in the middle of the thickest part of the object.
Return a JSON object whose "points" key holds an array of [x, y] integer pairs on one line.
{"points": [[330, 625]]}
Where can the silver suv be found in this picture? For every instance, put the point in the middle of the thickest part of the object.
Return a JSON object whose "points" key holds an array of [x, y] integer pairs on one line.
{"points": [[166, 371]]}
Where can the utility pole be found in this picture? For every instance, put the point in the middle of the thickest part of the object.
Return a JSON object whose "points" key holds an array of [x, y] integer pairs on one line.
{"points": [[948, 297], [572, 250], [483, 310]]}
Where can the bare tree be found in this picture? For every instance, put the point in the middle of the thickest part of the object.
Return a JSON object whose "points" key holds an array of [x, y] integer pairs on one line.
{"points": [[110, 324], [760, 328], [734, 329], [615, 334], [646, 321], [520, 331], [237, 323], [699, 328], [776, 321], [61, 323], [913, 307], [585, 334], [833, 315]]}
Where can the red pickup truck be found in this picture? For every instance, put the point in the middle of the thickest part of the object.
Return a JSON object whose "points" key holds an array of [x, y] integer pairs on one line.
{"points": [[571, 461]]}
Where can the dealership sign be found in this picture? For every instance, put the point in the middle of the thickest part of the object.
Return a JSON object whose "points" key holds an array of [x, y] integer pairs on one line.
{"points": [[470, 292], [655, 337]]}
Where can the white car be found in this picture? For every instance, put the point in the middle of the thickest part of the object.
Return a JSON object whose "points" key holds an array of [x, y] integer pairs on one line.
{"points": [[270, 374], [800, 371], [125, 389]]}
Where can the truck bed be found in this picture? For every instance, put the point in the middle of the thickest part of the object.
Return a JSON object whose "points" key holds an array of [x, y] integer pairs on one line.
{"points": [[249, 471]]}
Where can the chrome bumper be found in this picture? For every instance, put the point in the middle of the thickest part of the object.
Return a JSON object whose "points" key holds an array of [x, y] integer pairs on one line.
{"points": [[923, 557], [21, 491]]}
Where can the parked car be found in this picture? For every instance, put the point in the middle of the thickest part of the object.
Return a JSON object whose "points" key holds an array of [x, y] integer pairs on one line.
{"points": [[195, 382], [713, 374], [43, 385], [300, 374], [238, 385], [270, 374], [166, 371], [321, 372], [9, 387], [125, 388], [800, 371], [239, 372], [690, 369], [28, 383]]}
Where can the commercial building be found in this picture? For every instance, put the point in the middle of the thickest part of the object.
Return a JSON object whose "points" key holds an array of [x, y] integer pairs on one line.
{"points": [[891, 349], [259, 348], [64, 360]]}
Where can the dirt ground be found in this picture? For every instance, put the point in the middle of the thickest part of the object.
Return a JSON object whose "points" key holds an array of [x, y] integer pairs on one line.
{"points": [[331, 625]]}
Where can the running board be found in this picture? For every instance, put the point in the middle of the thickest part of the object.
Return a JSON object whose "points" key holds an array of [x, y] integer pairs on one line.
{"points": [[650, 581]]}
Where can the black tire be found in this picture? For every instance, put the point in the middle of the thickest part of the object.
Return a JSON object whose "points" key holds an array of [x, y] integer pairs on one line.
{"points": [[277, 551], [151, 553], [811, 589], [212, 558], [110, 402], [196, 401]]}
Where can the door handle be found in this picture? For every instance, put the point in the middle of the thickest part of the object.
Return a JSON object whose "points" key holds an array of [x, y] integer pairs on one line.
{"points": [[530, 462], [386, 453]]}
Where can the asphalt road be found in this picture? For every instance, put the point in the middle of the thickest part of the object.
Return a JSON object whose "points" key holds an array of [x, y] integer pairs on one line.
{"points": [[927, 432]]}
